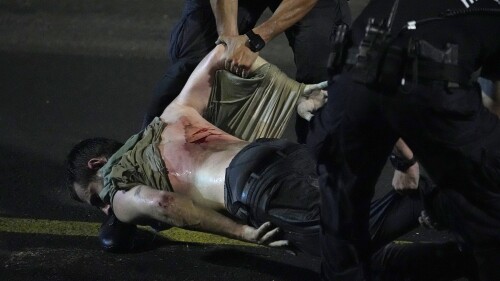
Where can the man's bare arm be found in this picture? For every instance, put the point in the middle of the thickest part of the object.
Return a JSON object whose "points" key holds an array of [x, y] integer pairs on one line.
{"points": [[143, 204]]}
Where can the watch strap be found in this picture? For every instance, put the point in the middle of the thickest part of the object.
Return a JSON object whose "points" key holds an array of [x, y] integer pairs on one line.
{"points": [[401, 163]]}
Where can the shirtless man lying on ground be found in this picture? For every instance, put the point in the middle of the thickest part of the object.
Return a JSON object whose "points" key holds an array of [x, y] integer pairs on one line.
{"points": [[184, 171]]}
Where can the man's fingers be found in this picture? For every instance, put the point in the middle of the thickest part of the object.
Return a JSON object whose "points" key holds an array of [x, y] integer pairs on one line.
{"points": [[279, 243], [227, 64], [322, 85], [318, 86], [238, 69], [426, 221], [263, 227], [314, 87], [220, 41], [234, 67], [268, 236], [306, 115]]}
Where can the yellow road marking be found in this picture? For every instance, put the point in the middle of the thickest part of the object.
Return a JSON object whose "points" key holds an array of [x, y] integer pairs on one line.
{"points": [[78, 228]]}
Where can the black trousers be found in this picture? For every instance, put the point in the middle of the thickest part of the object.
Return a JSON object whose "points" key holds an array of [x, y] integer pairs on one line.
{"points": [[454, 137], [275, 180], [195, 34]]}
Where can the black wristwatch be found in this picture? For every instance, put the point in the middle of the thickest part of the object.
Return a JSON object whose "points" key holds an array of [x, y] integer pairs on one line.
{"points": [[400, 163], [255, 42]]}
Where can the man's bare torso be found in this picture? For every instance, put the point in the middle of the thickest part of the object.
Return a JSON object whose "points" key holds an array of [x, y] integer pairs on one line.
{"points": [[196, 154]]}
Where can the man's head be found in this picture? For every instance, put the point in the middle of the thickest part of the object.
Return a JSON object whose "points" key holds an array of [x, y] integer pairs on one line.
{"points": [[83, 162]]}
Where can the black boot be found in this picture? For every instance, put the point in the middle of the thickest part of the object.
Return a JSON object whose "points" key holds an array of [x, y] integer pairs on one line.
{"points": [[116, 236]]}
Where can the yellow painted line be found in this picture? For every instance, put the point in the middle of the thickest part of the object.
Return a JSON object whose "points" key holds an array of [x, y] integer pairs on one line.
{"points": [[78, 228]]}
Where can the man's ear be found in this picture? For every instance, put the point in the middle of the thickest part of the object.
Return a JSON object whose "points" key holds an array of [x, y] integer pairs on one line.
{"points": [[96, 163]]}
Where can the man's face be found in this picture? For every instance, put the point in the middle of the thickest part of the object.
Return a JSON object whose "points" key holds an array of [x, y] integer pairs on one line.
{"points": [[90, 195]]}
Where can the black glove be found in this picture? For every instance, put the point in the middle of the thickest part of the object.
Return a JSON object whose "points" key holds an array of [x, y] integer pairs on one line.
{"points": [[116, 236]]}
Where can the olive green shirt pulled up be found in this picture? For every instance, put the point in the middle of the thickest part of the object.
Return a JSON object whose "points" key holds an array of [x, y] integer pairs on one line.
{"points": [[259, 106]]}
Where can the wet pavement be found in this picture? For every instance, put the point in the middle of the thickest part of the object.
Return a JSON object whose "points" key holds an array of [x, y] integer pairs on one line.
{"points": [[76, 69]]}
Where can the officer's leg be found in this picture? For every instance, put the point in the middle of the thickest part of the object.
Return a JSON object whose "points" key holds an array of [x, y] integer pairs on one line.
{"points": [[310, 42], [424, 261], [191, 39], [352, 141], [393, 215]]}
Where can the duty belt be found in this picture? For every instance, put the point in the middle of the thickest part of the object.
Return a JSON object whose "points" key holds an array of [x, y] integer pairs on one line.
{"points": [[421, 61]]}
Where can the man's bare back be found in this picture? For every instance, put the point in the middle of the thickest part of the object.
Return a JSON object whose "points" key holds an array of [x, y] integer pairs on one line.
{"points": [[196, 155]]}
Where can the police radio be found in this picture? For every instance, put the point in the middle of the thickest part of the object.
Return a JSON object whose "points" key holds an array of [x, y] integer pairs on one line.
{"points": [[375, 61]]}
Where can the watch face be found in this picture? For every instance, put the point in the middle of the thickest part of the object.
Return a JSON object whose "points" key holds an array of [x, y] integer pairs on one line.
{"points": [[258, 45], [255, 42]]}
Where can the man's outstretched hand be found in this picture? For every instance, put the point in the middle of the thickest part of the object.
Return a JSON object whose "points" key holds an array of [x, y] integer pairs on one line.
{"points": [[314, 98], [264, 235], [238, 57]]}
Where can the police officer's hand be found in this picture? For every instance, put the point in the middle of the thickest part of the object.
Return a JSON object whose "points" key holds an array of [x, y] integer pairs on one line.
{"points": [[314, 98], [408, 180], [238, 57], [265, 235]]}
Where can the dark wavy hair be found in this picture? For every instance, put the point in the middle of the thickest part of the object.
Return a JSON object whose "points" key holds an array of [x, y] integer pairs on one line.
{"points": [[77, 159]]}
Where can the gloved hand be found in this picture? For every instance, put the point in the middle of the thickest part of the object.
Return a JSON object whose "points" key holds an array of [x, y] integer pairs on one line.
{"points": [[116, 236], [314, 98]]}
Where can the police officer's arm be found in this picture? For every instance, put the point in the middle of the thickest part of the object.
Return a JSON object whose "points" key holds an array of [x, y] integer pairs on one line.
{"points": [[408, 179], [287, 14], [226, 16], [239, 56], [143, 204]]}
